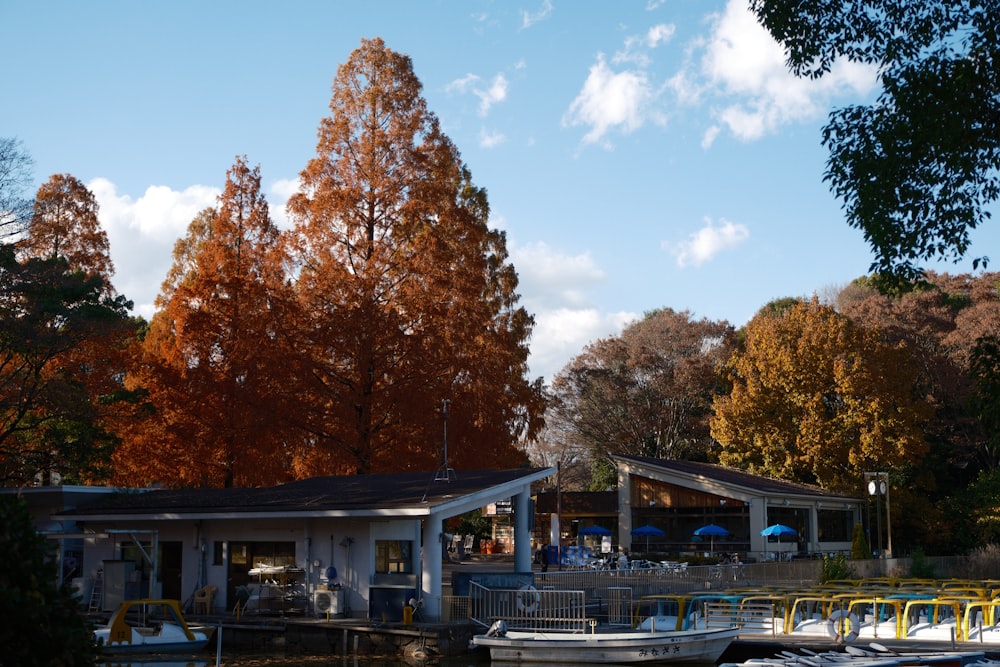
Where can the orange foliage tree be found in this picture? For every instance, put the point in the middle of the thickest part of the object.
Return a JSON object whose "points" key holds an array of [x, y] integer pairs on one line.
{"points": [[407, 295], [217, 362], [817, 399], [65, 224]]}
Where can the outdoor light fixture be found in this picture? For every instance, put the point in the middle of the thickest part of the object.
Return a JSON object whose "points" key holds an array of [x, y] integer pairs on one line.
{"points": [[878, 486]]}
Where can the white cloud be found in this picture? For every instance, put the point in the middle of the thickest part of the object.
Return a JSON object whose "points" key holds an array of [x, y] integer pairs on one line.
{"points": [[497, 92], [142, 234], [742, 64], [636, 46], [556, 290], [277, 196], [621, 100], [462, 85], [554, 278], [488, 96], [529, 19], [707, 242], [489, 139], [660, 34], [562, 333], [709, 136]]}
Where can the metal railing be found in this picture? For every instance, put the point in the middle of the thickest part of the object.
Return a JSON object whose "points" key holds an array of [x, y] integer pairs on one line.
{"points": [[528, 608], [757, 618], [619, 606]]}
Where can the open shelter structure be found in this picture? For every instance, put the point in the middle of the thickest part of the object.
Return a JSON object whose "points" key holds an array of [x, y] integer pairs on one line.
{"points": [[682, 496]]}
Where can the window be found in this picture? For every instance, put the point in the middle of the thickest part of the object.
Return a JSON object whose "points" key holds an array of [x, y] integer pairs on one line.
{"points": [[835, 525], [218, 552], [393, 556]]}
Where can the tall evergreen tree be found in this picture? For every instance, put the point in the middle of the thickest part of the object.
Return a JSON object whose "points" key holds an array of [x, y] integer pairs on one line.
{"points": [[43, 625]]}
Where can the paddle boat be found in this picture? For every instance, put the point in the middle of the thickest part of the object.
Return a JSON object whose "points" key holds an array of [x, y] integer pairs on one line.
{"points": [[876, 655], [150, 626]]}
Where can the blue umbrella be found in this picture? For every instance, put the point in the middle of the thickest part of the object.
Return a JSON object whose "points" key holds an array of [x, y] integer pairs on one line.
{"points": [[594, 530], [712, 531], [778, 530], [647, 531]]}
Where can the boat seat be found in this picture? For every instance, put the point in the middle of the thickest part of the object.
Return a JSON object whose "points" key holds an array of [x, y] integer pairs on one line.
{"points": [[204, 599]]}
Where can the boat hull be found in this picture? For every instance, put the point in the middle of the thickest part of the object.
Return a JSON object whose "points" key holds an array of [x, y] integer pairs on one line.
{"points": [[149, 626], [689, 646]]}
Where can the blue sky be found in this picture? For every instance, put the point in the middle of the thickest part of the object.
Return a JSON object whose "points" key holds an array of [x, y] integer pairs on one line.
{"points": [[640, 154]]}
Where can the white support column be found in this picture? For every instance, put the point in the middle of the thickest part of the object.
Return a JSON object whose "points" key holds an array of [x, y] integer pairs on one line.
{"points": [[624, 507], [812, 539], [431, 575], [522, 536]]}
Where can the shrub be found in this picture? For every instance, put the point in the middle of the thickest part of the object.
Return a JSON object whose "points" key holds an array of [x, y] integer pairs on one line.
{"points": [[836, 567], [859, 544], [982, 563], [920, 568]]}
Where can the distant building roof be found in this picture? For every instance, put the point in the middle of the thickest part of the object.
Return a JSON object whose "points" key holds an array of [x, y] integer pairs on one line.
{"points": [[391, 494], [731, 477]]}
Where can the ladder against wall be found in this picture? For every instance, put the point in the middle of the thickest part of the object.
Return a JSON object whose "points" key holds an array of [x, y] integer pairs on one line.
{"points": [[97, 592]]}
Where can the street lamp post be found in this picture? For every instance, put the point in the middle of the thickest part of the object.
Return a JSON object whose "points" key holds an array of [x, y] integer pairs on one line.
{"points": [[878, 486]]}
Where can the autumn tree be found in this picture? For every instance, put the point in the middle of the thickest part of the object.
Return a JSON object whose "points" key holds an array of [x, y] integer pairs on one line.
{"points": [[15, 182], [408, 296], [919, 168], [941, 319], [65, 224], [819, 400], [217, 362], [649, 390]]}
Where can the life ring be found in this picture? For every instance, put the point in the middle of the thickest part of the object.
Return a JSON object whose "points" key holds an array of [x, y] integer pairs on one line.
{"points": [[838, 619], [528, 598]]}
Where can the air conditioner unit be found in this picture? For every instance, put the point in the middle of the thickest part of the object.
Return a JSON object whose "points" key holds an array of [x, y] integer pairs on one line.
{"points": [[328, 602]]}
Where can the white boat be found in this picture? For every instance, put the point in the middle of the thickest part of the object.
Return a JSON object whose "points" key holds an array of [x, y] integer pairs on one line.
{"points": [[622, 647], [150, 626]]}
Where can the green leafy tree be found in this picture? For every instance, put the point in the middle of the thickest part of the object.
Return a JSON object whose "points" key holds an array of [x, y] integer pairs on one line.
{"points": [[43, 623], [919, 168], [51, 404]]}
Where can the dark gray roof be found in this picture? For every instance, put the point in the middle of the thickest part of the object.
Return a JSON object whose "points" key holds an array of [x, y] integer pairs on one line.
{"points": [[318, 494], [733, 477]]}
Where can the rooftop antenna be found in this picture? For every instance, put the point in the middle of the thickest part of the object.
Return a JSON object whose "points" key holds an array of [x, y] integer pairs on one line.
{"points": [[445, 473]]}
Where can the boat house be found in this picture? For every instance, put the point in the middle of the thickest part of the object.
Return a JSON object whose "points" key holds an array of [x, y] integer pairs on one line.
{"points": [[360, 545]]}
